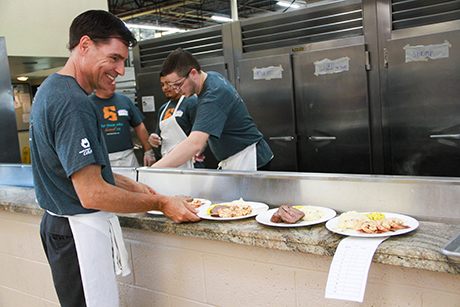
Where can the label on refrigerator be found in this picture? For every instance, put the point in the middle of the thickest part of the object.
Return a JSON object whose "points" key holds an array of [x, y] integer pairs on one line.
{"points": [[268, 73], [328, 66], [423, 53]]}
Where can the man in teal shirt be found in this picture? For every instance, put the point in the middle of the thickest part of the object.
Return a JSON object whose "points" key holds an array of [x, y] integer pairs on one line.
{"points": [[222, 118]]}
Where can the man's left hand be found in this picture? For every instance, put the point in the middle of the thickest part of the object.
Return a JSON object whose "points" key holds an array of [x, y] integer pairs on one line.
{"points": [[149, 157]]}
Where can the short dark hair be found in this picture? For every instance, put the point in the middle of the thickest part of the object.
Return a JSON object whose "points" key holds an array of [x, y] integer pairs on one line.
{"points": [[100, 26], [181, 62]]}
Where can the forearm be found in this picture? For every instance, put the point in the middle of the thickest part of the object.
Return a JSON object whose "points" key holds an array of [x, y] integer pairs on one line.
{"points": [[127, 196], [118, 200], [95, 193], [184, 151], [124, 182], [178, 156]]}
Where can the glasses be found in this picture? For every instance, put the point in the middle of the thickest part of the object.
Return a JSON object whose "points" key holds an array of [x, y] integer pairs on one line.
{"points": [[176, 86]]}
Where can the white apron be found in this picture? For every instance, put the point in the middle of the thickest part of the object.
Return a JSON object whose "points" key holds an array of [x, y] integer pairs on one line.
{"points": [[245, 160], [172, 134], [101, 253], [123, 158]]}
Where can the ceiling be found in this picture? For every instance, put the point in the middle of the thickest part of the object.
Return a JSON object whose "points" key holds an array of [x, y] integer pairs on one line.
{"points": [[188, 14], [182, 14]]}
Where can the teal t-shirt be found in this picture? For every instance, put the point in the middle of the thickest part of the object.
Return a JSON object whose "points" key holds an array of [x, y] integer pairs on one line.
{"points": [[118, 114], [223, 115], [65, 136]]}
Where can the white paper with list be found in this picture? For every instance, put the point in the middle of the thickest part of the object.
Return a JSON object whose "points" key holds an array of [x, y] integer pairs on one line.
{"points": [[347, 277]]}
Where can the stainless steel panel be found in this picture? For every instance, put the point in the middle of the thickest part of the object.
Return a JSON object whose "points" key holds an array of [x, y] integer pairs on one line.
{"points": [[430, 199], [312, 24], [332, 113], [270, 104], [452, 248], [16, 175], [9, 142], [423, 109]]}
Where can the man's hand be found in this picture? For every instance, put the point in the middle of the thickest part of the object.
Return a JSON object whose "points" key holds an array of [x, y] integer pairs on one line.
{"points": [[149, 157], [199, 158], [178, 210], [154, 140]]}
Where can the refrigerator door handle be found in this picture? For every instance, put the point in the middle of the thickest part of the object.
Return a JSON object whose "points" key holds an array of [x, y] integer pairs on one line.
{"points": [[282, 138], [321, 138], [445, 136]]}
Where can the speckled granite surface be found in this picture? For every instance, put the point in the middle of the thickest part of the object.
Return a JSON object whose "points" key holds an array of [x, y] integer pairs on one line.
{"points": [[418, 249]]}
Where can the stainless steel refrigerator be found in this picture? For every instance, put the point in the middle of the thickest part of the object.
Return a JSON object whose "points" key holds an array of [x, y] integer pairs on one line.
{"points": [[9, 143]]}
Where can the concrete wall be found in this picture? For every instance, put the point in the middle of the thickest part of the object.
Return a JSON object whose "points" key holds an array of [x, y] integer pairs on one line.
{"points": [[176, 271], [41, 28]]}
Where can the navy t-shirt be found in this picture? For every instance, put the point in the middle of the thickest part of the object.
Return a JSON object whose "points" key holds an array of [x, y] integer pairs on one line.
{"points": [[223, 115], [65, 136], [118, 115]]}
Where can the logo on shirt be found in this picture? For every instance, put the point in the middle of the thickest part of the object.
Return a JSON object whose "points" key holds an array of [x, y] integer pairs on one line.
{"points": [[169, 112], [110, 113], [86, 147]]}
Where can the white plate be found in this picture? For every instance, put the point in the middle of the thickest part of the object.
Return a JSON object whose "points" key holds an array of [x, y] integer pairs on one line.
{"points": [[206, 202], [264, 218], [408, 221], [256, 209]]}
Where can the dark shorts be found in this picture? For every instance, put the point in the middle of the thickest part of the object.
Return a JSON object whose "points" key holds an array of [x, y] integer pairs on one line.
{"points": [[60, 250]]}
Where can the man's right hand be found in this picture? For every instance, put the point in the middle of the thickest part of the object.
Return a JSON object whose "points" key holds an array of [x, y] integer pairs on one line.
{"points": [[154, 140], [178, 210]]}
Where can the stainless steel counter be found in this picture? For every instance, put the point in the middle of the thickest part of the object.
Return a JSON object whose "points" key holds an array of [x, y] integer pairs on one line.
{"points": [[425, 198]]}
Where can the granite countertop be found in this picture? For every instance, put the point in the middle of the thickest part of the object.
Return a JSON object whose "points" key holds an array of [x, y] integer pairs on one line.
{"points": [[419, 249]]}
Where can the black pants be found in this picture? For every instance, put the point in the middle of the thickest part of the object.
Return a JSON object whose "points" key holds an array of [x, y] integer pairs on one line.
{"points": [[60, 250]]}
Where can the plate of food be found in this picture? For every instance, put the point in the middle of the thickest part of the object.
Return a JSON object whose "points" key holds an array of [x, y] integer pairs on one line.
{"points": [[372, 224], [295, 216], [235, 210], [194, 202]]}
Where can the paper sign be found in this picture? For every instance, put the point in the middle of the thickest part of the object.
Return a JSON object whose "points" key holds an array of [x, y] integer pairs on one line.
{"points": [[26, 118], [24, 97], [327, 66], [423, 53], [350, 267], [268, 73], [148, 104], [26, 107]]}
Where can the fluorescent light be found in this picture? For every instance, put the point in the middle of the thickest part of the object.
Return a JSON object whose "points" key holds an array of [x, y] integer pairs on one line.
{"points": [[221, 18], [159, 28], [22, 78], [288, 4]]}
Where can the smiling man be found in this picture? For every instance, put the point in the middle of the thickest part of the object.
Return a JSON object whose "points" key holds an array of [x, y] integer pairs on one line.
{"points": [[222, 118], [73, 179]]}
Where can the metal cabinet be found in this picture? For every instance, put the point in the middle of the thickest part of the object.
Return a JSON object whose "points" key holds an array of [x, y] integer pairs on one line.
{"points": [[423, 111], [332, 111], [270, 103]]}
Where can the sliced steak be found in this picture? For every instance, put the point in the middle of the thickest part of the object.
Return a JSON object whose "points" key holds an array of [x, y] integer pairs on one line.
{"points": [[289, 215], [276, 218]]}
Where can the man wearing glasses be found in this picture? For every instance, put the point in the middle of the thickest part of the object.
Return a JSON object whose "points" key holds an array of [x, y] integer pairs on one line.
{"points": [[222, 118], [174, 124]]}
